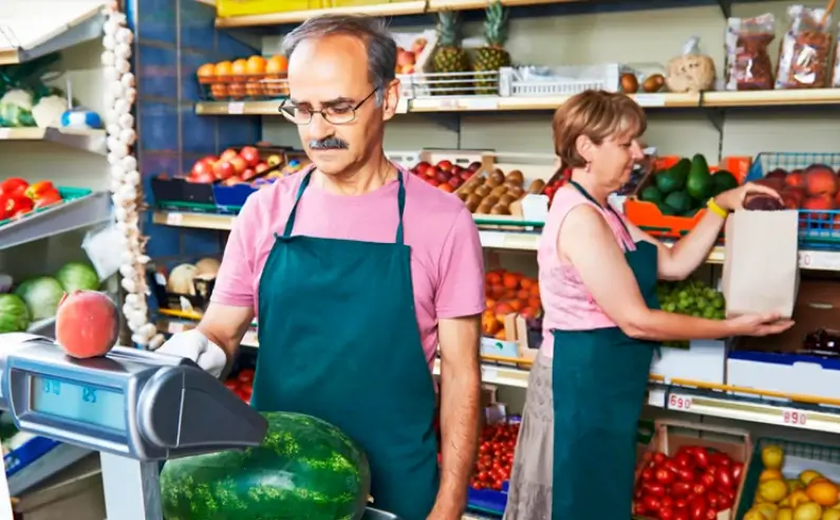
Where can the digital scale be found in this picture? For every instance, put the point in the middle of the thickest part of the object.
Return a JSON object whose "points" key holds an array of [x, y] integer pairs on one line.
{"points": [[135, 407]]}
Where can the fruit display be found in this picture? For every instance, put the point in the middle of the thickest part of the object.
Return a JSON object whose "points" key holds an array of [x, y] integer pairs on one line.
{"points": [[808, 495], [813, 189], [252, 77], [690, 297], [444, 174], [18, 197], [493, 193], [652, 83], [305, 468], [192, 281], [87, 324], [696, 483], [492, 56], [242, 384], [449, 55], [38, 298], [407, 57], [232, 167], [685, 188], [496, 445], [508, 292]]}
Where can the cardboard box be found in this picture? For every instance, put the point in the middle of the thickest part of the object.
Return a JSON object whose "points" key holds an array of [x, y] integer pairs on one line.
{"points": [[761, 262]]}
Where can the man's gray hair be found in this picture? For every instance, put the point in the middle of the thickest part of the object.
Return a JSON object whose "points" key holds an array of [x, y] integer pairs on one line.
{"points": [[381, 47]]}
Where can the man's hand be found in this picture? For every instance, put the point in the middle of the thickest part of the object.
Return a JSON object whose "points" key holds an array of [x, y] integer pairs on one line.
{"points": [[460, 378]]}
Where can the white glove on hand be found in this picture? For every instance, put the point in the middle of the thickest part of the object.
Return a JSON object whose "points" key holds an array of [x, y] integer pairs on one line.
{"points": [[195, 346]]}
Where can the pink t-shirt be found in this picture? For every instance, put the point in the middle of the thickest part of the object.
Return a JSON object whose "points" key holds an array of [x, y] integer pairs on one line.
{"points": [[447, 262], [567, 303]]}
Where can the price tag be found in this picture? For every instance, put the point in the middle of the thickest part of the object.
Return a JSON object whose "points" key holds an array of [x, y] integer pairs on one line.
{"points": [[535, 208], [175, 327], [489, 375], [478, 103], [828, 261], [492, 239], [174, 219], [679, 402], [794, 418], [650, 100], [236, 108], [520, 241]]}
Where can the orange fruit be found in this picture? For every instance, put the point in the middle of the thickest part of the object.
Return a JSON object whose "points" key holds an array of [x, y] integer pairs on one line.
{"points": [[239, 67], [223, 68], [798, 497], [501, 335], [277, 65], [256, 65], [511, 280], [208, 70], [493, 278], [823, 492], [770, 474]]}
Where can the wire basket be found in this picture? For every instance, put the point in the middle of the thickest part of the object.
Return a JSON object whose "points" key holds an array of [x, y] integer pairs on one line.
{"points": [[819, 221]]}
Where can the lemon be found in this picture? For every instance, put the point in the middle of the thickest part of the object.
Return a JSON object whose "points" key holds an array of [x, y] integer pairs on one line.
{"points": [[773, 490], [798, 497], [807, 511], [785, 513], [772, 457], [770, 474], [808, 475], [754, 514], [830, 514]]}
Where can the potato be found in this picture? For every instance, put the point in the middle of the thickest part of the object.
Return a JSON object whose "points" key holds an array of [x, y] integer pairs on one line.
{"points": [[536, 187], [500, 209], [516, 177], [482, 191]]}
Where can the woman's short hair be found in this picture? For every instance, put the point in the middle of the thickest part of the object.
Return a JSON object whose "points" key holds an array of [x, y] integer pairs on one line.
{"points": [[598, 115]]}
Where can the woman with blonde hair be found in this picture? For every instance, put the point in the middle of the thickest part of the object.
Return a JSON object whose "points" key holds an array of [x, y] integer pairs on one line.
{"points": [[576, 452]]}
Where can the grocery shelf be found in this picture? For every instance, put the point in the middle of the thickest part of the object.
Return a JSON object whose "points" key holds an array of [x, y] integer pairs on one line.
{"points": [[89, 140], [512, 241], [27, 34], [52, 462], [69, 215], [765, 98]]}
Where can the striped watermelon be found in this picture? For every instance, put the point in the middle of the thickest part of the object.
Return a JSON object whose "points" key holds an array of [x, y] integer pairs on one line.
{"points": [[305, 468]]}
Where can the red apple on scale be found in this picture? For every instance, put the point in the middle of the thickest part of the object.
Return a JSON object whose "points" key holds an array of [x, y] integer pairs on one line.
{"points": [[223, 170], [239, 164], [251, 155], [228, 154]]}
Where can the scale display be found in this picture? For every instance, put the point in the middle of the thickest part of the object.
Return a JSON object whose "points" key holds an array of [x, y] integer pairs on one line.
{"points": [[89, 404]]}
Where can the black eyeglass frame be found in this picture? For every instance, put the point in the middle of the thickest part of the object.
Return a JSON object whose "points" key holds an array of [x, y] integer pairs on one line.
{"points": [[325, 116]]}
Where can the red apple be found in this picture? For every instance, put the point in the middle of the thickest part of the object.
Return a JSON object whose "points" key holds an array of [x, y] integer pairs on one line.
{"points": [[228, 154], [223, 170], [455, 182], [202, 178], [230, 181], [431, 172], [474, 166], [421, 167], [466, 174], [261, 167], [432, 182], [239, 164], [444, 165], [251, 155], [249, 174], [202, 166], [443, 176]]}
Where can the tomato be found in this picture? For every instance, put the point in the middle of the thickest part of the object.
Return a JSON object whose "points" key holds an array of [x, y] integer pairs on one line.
{"points": [[246, 391], [701, 457], [684, 460], [707, 479], [671, 466], [659, 458], [737, 469], [720, 459], [680, 504], [685, 475], [246, 375], [697, 508], [724, 478], [711, 514], [724, 502], [654, 489], [232, 385], [664, 476], [666, 513], [699, 489], [681, 514], [651, 503], [647, 474], [680, 488], [638, 508], [712, 499], [13, 186]]}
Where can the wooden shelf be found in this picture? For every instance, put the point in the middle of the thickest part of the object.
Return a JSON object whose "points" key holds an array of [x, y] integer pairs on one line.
{"points": [[766, 98]]}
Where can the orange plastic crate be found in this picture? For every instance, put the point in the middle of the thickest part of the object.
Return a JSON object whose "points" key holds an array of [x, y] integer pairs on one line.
{"points": [[648, 217]]}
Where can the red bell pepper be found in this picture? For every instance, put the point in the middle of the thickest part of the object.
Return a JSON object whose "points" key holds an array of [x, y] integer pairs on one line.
{"points": [[47, 198], [12, 206], [34, 191], [13, 186]]}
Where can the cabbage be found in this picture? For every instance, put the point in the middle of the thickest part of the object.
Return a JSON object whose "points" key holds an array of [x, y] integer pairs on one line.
{"points": [[16, 109], [14, 316], [42, 296], [77, 276]]}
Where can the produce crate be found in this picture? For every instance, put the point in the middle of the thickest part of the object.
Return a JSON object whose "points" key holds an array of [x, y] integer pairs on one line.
{"points": [[228, 8], [819, 227], [671, 436], [67, 195], [798, 457], [647, 215]]}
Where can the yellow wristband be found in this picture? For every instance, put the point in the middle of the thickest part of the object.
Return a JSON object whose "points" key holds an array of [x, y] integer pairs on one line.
{"points": [[717, 210]]}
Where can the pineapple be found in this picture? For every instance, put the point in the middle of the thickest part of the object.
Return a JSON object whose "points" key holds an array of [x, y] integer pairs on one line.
{"points": [[449, 55], [492, 56]]}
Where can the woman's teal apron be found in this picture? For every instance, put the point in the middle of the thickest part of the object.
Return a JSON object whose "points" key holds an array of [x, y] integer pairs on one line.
{"points": [[339, 341], [599, 379]]}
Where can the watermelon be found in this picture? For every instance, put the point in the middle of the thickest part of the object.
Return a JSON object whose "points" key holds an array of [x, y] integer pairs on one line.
{"points": [[305, 468]]}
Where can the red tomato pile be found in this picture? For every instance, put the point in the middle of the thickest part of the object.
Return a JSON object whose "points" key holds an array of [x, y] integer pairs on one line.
{"points": [[495, 456], [552, 187], [242, 384], [18, 197], [694, 484]]}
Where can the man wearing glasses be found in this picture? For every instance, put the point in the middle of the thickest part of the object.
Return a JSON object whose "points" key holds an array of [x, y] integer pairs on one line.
{"points": [[357, 271]]}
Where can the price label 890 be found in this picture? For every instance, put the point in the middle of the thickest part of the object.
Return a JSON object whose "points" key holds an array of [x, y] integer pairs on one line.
{"points": [[794, 418], [679, 402]]}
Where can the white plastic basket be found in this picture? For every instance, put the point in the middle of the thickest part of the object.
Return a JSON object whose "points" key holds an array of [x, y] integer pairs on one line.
{"points": [[553, 81]]}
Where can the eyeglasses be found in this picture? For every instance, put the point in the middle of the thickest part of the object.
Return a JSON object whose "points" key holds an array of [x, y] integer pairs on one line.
{"points": [[339, 114]]}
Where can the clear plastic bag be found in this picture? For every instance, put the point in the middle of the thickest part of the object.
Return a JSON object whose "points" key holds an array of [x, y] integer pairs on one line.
{"points": [[835, 75], [805, 50], [748, 64], [692, 71]]}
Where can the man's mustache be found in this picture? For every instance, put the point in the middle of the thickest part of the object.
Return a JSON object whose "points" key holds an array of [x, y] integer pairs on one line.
{"points": [[330, 143]]}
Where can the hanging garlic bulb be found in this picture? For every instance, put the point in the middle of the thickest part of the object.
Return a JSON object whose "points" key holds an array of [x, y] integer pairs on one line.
{"points": [[126, 184]]}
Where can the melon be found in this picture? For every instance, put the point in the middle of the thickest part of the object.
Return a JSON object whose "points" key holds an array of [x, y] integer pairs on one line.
{"points": [[304, 468]]}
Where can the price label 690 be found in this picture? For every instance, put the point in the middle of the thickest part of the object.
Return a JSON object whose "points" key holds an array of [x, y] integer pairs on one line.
{"points": [[794, 418], [679, 402]]}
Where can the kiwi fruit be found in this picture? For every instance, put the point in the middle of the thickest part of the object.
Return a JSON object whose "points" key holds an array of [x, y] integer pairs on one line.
{"points": [[471, 205], [536, 187], [484, 208], [500, 209], [493, 182], [498, 191], [482, 191], [473, 200], [516, 191], [498, 175], [506, 199], [515, 176]]}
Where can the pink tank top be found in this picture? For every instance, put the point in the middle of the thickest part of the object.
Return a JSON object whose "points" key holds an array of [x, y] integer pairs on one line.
{"points": [[567, 304]]}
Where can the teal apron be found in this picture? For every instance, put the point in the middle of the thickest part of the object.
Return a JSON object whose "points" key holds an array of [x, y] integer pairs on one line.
{"points": [[339, 341], [599, 382]]}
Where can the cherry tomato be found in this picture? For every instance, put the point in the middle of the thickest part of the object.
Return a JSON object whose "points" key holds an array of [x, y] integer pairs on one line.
{"points": [[659, 458], [707, 479], [680, 489], [720, 459], [664, 476], [697, 508], [651, 503], [638, 507], [246, 375], [698, 489], [666, 513], [647, 474], [712, 499], [724, 502], [680, 504], [685, 475], [654, 489], [711, 514], [701, 457], [684, 460], [724, 478], [737, 470], [232, 384], [681, 514]]}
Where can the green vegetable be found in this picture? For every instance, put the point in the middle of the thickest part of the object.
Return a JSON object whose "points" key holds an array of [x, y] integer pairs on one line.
{"points": [[14, 316], [77, 276], [673, 179], [665, 209], [42, 296], [16, 109], [678, 200], [699, 183], [690, 298], [651, 194], [723, 181], [305, 469]]}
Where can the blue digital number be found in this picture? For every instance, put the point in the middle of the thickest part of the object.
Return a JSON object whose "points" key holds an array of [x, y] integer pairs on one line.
{"points": [[52, 386], [88, 394]]}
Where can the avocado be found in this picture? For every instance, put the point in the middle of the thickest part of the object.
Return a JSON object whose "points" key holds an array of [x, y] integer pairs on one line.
{"points": [[699, 183], [679, 200], [651, 194], [690, 213], [681, 171], [666, 209], [723, 181]]}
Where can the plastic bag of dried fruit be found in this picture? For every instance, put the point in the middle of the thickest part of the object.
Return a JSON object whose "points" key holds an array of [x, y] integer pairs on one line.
{"points": [[835, 75], [804, 54], [748, 65]]}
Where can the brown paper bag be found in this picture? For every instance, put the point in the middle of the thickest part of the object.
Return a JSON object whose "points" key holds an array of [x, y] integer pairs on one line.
{"points": [[761, 264]]}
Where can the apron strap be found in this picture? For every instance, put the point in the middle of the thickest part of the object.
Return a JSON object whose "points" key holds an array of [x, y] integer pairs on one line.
{"points": [[628, 239], [400, 239]]}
